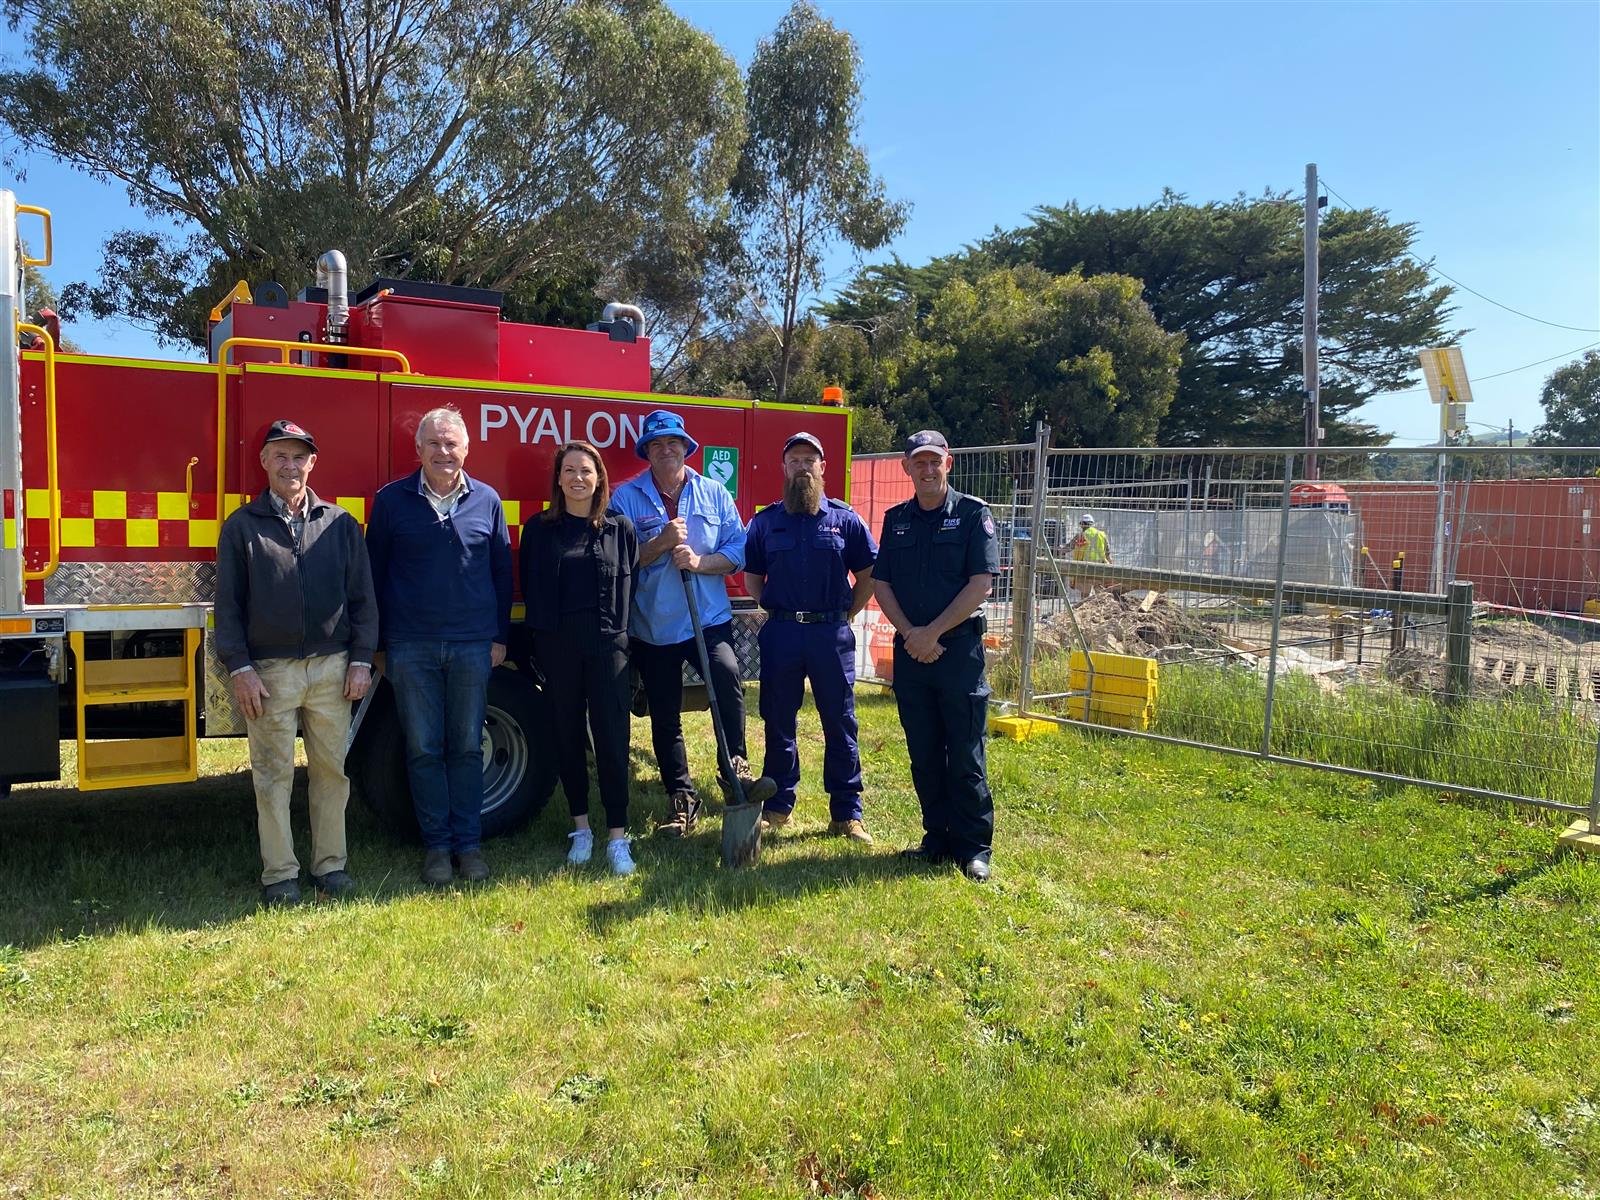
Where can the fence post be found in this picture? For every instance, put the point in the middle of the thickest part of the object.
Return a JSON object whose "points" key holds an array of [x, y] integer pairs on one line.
{"points": [[1397, 615], [1021, 596], [1277, 604], [1458, 640], [1594, 795], [1041, 480]]}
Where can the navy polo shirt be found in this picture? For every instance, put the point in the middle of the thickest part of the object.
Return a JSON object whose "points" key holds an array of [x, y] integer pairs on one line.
{"points": [[928, 556], [805, 558]]}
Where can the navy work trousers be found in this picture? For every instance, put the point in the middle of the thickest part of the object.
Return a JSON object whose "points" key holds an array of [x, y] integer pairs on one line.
{"points": [[944, 710], [792, 653]]}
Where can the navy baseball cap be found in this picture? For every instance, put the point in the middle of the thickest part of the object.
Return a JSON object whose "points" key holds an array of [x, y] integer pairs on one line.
{"points": [[662, 423], [287, 431], [809, 439], [926, 439]]}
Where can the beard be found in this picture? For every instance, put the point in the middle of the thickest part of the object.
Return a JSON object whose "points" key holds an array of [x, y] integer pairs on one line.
{"points": [[802, 494]]}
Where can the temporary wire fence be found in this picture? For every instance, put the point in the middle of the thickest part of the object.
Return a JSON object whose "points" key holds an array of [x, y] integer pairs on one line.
{"points": [[1401, 614]]}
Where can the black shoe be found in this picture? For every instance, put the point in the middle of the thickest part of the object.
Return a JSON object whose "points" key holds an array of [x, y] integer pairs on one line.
{"points": [[335, 884], [283, 894], [977, 868], [928, 852], [471, 867], [436, 868]]}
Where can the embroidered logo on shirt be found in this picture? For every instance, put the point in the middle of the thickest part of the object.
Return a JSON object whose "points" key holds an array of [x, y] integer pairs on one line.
{"points": [[952, 522], [988, 524]]}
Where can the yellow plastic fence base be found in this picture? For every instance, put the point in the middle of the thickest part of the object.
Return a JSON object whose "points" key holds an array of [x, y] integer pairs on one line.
{"points": [[1124, 689], [1020, 729], [1578, 836], [1121, 666]]}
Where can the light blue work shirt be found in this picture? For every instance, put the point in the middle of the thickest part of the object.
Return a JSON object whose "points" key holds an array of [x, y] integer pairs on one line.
{"points": [[660, 611]]}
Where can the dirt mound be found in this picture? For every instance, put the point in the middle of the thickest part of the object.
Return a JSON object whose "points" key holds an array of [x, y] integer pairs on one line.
{"points": [[1145, 624]]}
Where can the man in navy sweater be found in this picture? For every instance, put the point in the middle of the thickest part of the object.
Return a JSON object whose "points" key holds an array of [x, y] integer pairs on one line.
{"points": [[441, 564]]}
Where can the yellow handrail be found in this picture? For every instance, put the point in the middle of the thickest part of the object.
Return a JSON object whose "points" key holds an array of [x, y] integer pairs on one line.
{"points": [[285, 349], [49, 242], [51, 466]]}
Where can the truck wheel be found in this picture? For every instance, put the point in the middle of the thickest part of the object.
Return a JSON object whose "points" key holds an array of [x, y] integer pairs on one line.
{"points": [[518, 764]]}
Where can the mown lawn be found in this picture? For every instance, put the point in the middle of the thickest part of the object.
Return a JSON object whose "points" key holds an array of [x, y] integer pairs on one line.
{"points": [[1191, 977]]}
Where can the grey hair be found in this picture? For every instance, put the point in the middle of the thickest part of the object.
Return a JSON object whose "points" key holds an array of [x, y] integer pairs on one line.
{"points": [[442, 416]]}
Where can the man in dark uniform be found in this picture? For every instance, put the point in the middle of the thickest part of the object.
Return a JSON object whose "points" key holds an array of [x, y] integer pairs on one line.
{"points": [[800, 555], [936, 560]]}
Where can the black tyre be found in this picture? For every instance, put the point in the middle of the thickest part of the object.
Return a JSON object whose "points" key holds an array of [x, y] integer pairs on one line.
{"points": [[518, 765]]}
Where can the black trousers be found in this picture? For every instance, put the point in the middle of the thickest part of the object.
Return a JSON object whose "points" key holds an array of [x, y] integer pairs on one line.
{"points": [[661, 670], [944, 710], [585, 672]]}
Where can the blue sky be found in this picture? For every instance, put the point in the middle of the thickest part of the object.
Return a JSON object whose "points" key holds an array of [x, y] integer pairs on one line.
{"points": [[1478, 122]]}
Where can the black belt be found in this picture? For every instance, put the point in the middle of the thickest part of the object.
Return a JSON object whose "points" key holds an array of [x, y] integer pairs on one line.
{"points": [[808, 618], [971, 627]]}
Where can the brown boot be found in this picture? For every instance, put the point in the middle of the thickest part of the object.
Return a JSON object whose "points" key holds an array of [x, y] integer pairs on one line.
{"points": [[685, 813], [854, 830], [756, 791], [771, 820]]}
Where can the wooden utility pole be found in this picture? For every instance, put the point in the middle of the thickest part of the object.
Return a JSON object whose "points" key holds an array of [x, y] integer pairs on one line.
{"points": [[1309, 351]]}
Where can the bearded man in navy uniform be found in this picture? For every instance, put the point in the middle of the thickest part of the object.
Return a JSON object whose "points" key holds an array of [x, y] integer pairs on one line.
{"points": [[801, 555]]}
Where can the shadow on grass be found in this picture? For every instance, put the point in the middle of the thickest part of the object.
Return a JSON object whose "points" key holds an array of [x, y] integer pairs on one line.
{"points": [[697, 884], [1493, 888], [182, 857]]}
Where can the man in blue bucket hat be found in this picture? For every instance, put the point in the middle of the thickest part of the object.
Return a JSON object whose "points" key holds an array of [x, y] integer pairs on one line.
{"points": [[686, 522]]}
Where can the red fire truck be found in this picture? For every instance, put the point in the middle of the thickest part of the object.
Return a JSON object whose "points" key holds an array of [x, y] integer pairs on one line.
{"points": [[116, 474]]}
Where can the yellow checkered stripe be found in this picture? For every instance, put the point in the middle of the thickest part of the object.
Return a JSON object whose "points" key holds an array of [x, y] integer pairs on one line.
{"points": [[152, 520]]}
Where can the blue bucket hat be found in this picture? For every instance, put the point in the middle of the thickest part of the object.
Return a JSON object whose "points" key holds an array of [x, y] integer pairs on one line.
{"points": [[662, 423]]}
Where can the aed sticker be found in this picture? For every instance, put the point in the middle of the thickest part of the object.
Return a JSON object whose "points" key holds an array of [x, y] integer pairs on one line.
{"points": [[722, 464]]}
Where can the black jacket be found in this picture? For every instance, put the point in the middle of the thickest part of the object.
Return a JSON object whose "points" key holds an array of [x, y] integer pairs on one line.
{"points": [[616, 551], [278, 601]]}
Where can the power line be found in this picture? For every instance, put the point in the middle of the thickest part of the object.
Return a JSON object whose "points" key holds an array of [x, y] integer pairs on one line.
{"points": [[1433, 270], [1507, 307]]}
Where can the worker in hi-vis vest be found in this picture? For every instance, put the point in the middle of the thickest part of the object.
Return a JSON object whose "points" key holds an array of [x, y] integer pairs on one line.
{"points": [[1090, 545]]}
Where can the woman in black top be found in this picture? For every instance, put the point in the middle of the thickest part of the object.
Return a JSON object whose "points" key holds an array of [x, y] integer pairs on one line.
{"points": [[579, 565]]}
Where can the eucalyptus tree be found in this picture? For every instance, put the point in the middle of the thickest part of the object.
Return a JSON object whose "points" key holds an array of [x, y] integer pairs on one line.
{"points": [[512, 144], [803, 182]]}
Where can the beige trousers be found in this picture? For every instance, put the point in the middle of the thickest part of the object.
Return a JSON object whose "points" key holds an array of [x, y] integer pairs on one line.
{"points": [[310, 692]]}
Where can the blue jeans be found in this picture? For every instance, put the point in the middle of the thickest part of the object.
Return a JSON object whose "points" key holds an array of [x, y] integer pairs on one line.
{"points": [[441, 690]]}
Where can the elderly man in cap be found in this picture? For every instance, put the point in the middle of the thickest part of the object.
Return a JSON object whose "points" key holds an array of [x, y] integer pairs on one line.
{"points": [[686, 523], [801, 555], [936, 560], [296, 626]]}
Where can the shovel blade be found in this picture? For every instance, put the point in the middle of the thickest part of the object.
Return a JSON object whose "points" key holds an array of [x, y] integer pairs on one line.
{"points": [[741, 835]]}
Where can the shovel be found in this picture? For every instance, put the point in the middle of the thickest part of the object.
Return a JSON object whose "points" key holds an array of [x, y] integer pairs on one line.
{"points": [[741, 822]]}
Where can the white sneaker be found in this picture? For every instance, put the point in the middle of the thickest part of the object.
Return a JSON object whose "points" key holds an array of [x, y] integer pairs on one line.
{"points": [[582, 846], [620, 857]]}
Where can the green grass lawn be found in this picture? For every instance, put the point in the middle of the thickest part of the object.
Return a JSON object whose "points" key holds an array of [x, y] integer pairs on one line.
{"points": [[1191, 977]]}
